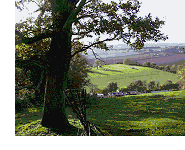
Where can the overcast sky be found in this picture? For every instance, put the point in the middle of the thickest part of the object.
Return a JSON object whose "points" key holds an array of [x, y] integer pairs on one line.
{"points": [[171, 11]]}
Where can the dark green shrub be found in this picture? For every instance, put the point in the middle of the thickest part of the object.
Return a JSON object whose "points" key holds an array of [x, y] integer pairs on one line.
{"points": [[152, 65], [161, 67], [151, 85], [105, 91], [124, 90], [156, 67], [20, 103], [173, 67], [146, 64], [119, 62], [129, 62], [171, 86], [138, 64], [136, 86], [167, 68], [112, 87]]}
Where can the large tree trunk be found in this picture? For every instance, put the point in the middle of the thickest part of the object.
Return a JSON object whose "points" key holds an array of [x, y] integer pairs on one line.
{"points": [[54, 116], [59, 57]]}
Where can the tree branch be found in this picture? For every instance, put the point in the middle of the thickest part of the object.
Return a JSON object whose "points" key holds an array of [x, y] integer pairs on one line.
{"points": [[87, 47], [85, 16], [34, 39], [73, 15], [98, 58]]}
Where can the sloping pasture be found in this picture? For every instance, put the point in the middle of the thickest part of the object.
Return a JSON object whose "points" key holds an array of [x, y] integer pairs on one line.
{"points": [[146, 114], [124, 75]]}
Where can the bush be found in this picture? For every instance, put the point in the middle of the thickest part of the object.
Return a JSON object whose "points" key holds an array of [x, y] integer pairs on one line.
{"points": [[169, 85], [156, 67], [151, 85], [152, 65], [112, 87], [136, 86], [146, 64], [105, 91], [161, 67], [173, 67], [123, 90], [119, 62], [129, 62], [167, 68], [20, 103], [138, 64]]}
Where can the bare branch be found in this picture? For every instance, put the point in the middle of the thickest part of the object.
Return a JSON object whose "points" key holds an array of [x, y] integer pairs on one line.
{"points": [[87, 47], [99, 56]]}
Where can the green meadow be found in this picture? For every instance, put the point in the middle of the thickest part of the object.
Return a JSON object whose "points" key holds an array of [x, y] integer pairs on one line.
{"points": [[151, 114], [124, 75]]}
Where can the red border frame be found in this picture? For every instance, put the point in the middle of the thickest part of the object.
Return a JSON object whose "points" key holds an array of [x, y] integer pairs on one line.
{"points": [[10, 141]]}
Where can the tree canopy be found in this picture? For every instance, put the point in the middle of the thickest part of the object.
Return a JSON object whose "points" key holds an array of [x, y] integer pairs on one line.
{"points": [[102, 19]]}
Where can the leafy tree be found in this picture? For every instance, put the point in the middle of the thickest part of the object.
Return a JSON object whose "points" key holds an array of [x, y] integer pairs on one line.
{"points": [[173, 67], [181, 74], [112, 87], [137, 86], [97, 63], [127, 61], [58, 27], [146, 64], [152, 65], [167, 68], [78, 70], [151, 85]]}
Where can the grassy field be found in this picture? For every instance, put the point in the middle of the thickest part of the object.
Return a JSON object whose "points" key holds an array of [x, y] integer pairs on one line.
{"points": [[124, 75], [146, 114], [158, 114]]}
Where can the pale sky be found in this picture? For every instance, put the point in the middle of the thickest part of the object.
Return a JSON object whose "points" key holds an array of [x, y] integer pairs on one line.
{"points": [[171, 11]]}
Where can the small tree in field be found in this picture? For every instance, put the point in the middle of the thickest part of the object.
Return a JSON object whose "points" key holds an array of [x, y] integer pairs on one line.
{"points": [[97, 63], [181, 74], [112, 87], [151, 85], [127, 61]]}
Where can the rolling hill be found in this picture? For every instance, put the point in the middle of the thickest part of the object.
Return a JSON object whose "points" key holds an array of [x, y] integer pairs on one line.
{"points": [[124, 75], [162, 57]]}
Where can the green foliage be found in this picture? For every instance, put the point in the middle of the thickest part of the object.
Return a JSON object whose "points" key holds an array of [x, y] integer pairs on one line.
{"points": [[78, 72], [167, 68], [105, 91], [127, 61], [138, 64], [173, 67], [112, 87], [119, 63], [152, 65], [151, 85], [168, 85], [146, 64], [97, 63], [156, 67], [181, 74], [136, 86]]}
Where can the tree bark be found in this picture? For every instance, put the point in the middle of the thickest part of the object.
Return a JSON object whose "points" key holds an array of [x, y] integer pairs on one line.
{"points": [[59, 56], [39, 94]]}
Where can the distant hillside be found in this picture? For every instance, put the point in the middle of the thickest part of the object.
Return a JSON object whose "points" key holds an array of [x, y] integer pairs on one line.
{"points": [[124, 75], [167, 56]]}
